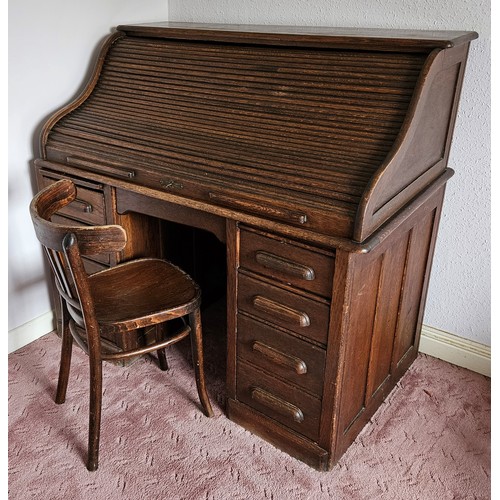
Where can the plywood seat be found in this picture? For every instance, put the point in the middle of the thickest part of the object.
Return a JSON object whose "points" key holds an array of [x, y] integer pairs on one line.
{"points": [[156, 291]]}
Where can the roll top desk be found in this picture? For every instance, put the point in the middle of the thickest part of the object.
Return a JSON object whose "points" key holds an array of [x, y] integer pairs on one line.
{"points": [[318, 157]]}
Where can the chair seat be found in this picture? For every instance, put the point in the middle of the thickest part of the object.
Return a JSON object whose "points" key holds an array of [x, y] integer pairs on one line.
{"points": [[141, 293]]}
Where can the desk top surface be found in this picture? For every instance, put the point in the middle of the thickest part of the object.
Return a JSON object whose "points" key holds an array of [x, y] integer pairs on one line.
{"points": [[375, 38]]}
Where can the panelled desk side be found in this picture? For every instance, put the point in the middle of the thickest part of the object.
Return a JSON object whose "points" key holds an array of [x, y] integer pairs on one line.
{"points": [[325, 297]]}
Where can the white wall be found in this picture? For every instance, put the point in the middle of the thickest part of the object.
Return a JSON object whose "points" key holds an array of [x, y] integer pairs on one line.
{"points": [[51, 44], [459, 295]]}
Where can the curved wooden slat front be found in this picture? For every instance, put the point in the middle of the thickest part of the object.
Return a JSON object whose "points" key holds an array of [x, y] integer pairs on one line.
{"points": [[286, 130]]}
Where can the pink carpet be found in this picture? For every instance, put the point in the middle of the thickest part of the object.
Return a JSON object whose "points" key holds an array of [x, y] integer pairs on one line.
{"points": [[429, 440]]}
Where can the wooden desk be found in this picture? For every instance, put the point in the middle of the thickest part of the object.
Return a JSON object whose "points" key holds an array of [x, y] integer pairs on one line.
{"points": [[318, 157]]}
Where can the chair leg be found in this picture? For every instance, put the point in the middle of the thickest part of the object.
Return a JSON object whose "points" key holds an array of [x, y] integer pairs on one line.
{"points": [[66, 349], [95, 413], [197, 350], [162, 356]]}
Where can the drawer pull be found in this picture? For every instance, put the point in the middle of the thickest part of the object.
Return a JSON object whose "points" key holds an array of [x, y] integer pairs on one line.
{"points": [[253, 207], [85, 207], [277, 404], [280, 311], [100, 169], [280, 358], [285, 266]]}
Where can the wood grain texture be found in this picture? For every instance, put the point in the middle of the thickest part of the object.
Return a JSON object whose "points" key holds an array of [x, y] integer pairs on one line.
{"points": [[282, 354], [124, 299], [302, 315], [168, 113], [317, 157], [173, 108], [318, 36]]}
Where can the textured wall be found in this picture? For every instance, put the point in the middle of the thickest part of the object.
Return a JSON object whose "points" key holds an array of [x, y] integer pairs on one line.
{"points": [[459, 293]]}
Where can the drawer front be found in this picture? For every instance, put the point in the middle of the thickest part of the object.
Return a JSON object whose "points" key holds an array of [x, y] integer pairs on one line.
{"points": [[287, 262], [283, 308], [88, 206], [284, 403], [281, 354], [103, 258]]}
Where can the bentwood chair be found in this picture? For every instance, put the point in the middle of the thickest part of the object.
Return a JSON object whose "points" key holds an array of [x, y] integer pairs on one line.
{"points": [[134, 295]]}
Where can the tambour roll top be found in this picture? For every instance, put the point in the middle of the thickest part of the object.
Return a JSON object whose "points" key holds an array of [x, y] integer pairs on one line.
{"points": [[331, 130]]}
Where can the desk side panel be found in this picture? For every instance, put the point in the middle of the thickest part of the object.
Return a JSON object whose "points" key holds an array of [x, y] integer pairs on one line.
{"points": [[420, 154], [381, 329]]}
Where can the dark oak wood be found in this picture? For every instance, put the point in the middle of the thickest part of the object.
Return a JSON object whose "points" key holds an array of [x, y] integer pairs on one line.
{"points": [[281, 401], [288, 262], [227, 124], [125, 298], [318, 157], [279, 352], [302, 315], [320, 36]]}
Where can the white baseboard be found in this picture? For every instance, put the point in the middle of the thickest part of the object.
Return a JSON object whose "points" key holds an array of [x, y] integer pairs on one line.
{"points": [[437, 343], [456, 350], [30, 331]]}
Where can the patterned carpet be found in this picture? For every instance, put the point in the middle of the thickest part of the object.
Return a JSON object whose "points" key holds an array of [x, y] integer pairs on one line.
{"points": [[429, 440]]}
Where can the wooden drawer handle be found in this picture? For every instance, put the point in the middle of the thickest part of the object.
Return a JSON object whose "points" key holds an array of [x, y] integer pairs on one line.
{"points": [[85, 207], [277, 404], [251, 206], [280, 311], [280, 358], [285, 266], [101, 169]]}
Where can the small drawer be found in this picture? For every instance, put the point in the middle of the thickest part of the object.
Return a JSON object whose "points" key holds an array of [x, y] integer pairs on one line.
{"points": [[284, 403], [88, 206], [103, 258], [281, 354], [294, 312], [289, 262]]}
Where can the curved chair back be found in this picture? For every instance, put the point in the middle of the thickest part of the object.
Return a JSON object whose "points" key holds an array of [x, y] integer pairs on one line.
{"points": [[64, 246]]}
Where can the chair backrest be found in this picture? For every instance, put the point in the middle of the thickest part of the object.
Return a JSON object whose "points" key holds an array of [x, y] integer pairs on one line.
{"points": [[64, 246]]}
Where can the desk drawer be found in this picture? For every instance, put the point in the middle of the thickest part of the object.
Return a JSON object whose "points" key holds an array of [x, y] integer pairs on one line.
{"points": [[88, 207], [281, 354], [288, 262], [294, 312], [282, 402]]}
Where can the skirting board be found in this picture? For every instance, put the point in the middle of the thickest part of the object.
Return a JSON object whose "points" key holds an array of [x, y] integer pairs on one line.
{"points": [[456, 350], [434, 342], [30, 331]]}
